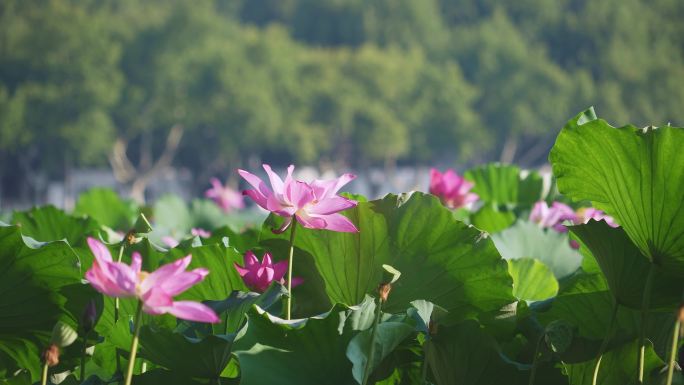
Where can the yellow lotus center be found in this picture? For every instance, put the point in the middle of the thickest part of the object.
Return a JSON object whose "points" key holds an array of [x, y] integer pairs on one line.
{"points": [[141, 277]]}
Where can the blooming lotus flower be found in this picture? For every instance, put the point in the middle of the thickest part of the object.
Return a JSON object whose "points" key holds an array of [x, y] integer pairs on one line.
{"points": [[452, 189], [225, 197], [587, 213], [316, 205], [259, 275], [155, 290], [553, 216], [202, 233]]}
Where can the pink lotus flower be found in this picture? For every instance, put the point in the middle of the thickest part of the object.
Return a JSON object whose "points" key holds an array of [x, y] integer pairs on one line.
{"points": [[225, 197], [259, 275], [155, 290], [198, 232], [316, 205], [587, 213], [553, 216], [451, 188]]}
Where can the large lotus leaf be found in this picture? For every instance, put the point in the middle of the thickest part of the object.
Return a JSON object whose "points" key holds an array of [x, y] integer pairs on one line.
{"points": [[635, 175], [191, 357], [585, 302], [107, 208], [233, 311], [491, 219], [532, 280], [618, 366], [502, 184], [441, 259], [625, 268], [49, 223], [31, 278], [310, 351], [527, 240], [388, 336], [465, 354], [222, 278]]}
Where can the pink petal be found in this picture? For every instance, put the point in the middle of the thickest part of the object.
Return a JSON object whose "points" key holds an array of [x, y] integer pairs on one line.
{"points": [[103, 283], [100, 251], [331, 205], [136, 262], [241, 270], [296, 281], [183, 281], [328, 188], [284, 226], [258, 198], [338, 222], [167, 271], [266, 260], [279, 270], [311, 221], [299, 194], [250, 259], [193, 311], [155, 299], [276, 183]]}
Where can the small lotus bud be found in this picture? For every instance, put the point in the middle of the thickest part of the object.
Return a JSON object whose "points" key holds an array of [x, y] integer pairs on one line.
{"points": [[131, 239], [384, 290], [89, 315], [51, 355], [63, 335]]}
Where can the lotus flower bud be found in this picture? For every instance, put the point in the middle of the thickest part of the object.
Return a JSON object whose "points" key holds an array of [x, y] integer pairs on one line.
{"points": [[51, 355], [89, 316], [384, 290]]}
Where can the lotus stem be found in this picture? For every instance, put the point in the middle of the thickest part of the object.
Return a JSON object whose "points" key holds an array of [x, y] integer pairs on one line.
{"points": [[425, 359], [288, 314], [673, 351], [43, 378], [116, 311], [535, 360], [371, 351], [83, 356], [134, 344], [606, 340], [645, 305]]}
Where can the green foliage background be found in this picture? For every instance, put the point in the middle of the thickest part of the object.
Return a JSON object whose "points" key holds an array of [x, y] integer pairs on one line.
{"points": [[338, 83]]}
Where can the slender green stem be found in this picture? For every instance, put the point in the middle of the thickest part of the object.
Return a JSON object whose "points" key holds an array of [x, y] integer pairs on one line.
{"points": [[535, 360], [83, 355], [371, 351], [116, 309], [288, 314], [673, 351], [43, 378], [425, 359], [606, 340], [645, 305], [134, 344]]}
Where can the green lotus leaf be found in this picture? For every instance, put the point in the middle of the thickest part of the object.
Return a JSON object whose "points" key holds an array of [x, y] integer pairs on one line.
{"points": [[635, 175], [506, 185], [107, 208], [527, 240], [532, 280], [625, 267], [441, 259], [31, 302]]}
